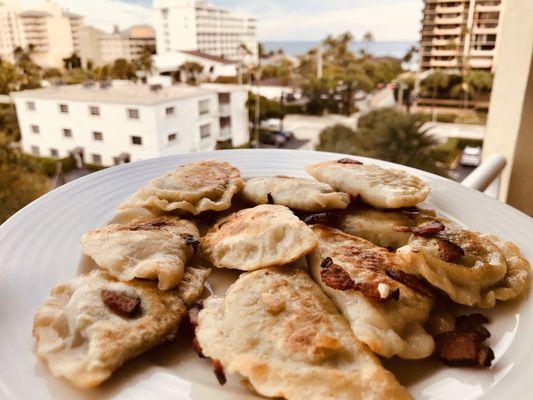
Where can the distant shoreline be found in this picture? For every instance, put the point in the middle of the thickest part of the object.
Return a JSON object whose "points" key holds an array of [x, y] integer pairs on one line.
{"points": [[393, 48]]}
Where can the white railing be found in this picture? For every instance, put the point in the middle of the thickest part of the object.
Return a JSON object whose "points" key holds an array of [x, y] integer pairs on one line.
{"points": [[486, 177]]}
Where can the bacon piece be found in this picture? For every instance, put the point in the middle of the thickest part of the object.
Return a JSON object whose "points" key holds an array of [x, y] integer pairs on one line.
{"points": [[219, 372], [336, 277], [121, 303], [323, 218], [349, 161], [463, 349], [190, 240], [429, 229], [410, 281], [473, 323], [449, 251]]}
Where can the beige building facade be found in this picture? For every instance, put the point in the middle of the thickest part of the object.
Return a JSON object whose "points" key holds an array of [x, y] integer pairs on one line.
{"points": [[11, 31], [460, 33]]}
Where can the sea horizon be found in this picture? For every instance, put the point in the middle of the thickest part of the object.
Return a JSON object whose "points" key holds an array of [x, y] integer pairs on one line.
{"points": [[379, 48]]}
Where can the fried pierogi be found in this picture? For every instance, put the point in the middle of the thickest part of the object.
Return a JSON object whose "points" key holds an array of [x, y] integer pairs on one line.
{"points": [[278, 330], [259, 237], [295, 193], [149, 248], [377, 186], [379, 226], [470, 267], [385, 307], [191, 188], [93, 323]]}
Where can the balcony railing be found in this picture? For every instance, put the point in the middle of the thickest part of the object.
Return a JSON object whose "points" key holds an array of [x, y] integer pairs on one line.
{"points": [[447, 10], [225, 133], [443, 63], [447, 31], [454, 20], [482, 8]]}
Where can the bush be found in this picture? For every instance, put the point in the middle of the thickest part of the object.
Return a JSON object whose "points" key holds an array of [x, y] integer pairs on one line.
{"points": [[446, 117], [49, 165], [94, 167], [293, 108]]}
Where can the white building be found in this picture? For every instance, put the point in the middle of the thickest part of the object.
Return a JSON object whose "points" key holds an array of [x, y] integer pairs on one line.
{"points": [[52, 32], [213, 66], [195, 25], [128, 122]]}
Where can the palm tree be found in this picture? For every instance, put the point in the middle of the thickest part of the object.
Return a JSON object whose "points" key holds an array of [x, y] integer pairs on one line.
{"points": [[435, 81], [193, 69], [368, 38]]}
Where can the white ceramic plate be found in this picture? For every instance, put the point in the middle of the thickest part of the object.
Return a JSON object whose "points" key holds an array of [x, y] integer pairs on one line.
{"points": [[39, 247]]}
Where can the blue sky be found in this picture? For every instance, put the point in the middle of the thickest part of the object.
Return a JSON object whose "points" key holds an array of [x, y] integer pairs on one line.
{"points": [[279, 19]]}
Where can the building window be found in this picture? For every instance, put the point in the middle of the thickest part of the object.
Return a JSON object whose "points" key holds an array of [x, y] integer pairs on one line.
{"points": [[35, 150], [30, 105], [205, 131], [54, 152], [98, 136], [94, 111], [97, 159], [172, 138], [137, 140], [67, 132], [170, 111], [35, 129], [63, 108], [204, 107], [133, 113]]}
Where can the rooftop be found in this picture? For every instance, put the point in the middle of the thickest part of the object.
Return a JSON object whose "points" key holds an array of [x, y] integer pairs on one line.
{"points": [[121, 92], [210, 57]]}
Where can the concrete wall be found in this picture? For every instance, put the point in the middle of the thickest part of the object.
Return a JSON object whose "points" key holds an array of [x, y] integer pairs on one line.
{"points": [[510, 121]]}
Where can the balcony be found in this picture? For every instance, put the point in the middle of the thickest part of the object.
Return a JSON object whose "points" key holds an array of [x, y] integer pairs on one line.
{"points": [[442, 42], [480, 30], [447, 52], [450, 21], [444, 63], [482, 8], [482, 53], [224, 109], [447, 31], [225, 133], [448, 10]]}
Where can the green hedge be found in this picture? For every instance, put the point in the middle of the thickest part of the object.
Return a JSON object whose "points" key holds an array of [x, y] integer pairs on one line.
{"points": [[49, 165]]}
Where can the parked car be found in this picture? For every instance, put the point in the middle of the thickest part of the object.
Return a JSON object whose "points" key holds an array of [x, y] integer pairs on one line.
{"points": [[471, 156]]}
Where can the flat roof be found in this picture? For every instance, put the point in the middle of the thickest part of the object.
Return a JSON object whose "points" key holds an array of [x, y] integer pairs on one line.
{"points": [[120, 92]]}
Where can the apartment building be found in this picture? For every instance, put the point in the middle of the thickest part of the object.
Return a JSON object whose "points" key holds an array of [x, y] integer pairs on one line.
{"points": [[11, 32], [457, 33], [52, 32], [196, 25], [122, 121]]}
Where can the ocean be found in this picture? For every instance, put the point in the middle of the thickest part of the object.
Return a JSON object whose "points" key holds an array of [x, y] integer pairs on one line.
{"points": [[396, 48]]}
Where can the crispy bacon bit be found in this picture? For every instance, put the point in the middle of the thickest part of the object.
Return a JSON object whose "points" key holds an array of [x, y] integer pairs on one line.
{"points": [[464, 346], [324, 218], [336, 277], [413, 210], [219, 372], [463, 349], [197, 348], [429, 229], [270, 199], [449, 251], [410, 281], [190, 240], [349, 161], [193, 313], [371, 290], [121, 303], [326, 262]]}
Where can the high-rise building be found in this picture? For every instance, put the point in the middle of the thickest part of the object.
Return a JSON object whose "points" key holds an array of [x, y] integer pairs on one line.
{"points": [[460, 33], [11, 32], [195, 25]]}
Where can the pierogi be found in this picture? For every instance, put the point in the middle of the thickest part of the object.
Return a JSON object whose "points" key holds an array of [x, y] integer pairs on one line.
{"points": [[253, 238], [296, 193], [473, 269], [384, 313], [377, 186], [148, 248], [277, 329], [93, 323], [191, 188], [378, 226]]}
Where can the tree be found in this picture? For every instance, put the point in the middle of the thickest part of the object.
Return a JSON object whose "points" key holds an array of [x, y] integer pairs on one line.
{"points": [[9, 122], [409, 54], [122, 69], [368, 38], [30, 73], [72, 62], [144, 60], [193, 70], [20, 179], [9, 78], [436, 81], [390, 135]]}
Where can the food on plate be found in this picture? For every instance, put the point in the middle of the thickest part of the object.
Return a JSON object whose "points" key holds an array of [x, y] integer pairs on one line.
{"points": [[259, 237], [277, 329], [473, 269], [149, 248], [191, 188], [385, 307], [464, 345], [377, 186], [93, 323], [295, 193], [379, 226]]}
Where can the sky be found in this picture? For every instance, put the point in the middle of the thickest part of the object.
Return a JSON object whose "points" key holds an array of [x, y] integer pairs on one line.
{"points": [[279, 20]]}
